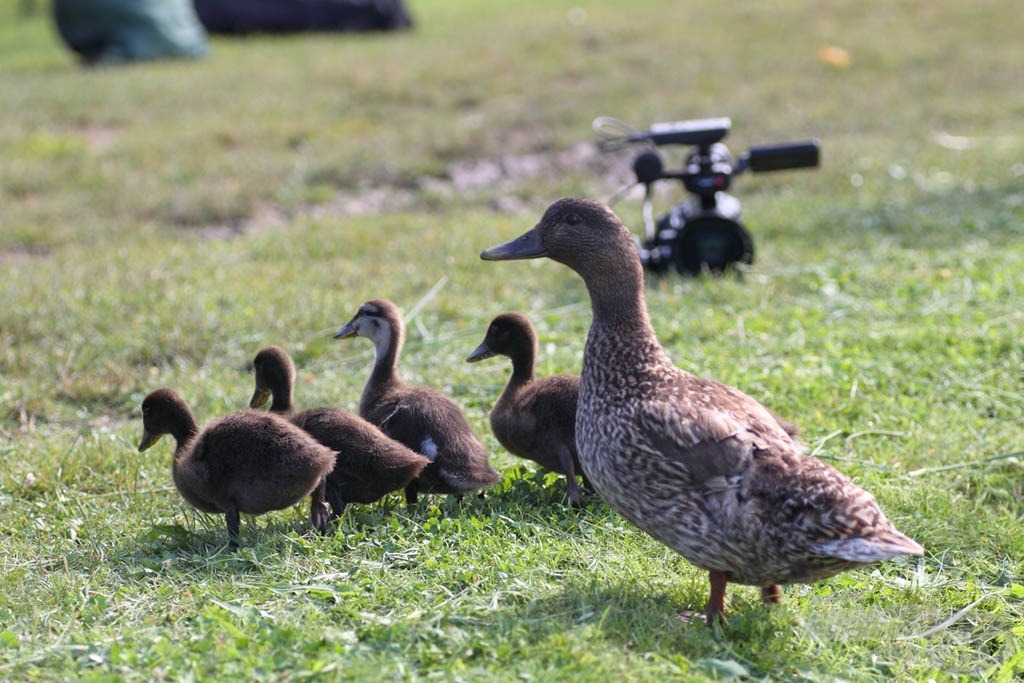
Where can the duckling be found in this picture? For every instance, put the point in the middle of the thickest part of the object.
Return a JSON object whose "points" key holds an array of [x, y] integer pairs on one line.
{"points": [[243, 462], [697, 464], [422, 418], [370, 465], [533, 418]]}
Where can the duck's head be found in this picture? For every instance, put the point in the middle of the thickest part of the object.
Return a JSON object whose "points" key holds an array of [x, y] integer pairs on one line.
{"points": [[164, 412], [585, 235], [378, 320], [507, 335], [274, 373]]}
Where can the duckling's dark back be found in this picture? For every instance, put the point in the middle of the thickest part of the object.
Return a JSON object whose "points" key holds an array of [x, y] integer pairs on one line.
{"points": [[540, 415], [533, 418], [370, 464], [260, 461], [426, 421]]}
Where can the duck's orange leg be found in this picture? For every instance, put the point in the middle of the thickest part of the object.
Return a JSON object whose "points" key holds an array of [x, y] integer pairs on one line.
{"points": [[716, 603], [771, 595]]}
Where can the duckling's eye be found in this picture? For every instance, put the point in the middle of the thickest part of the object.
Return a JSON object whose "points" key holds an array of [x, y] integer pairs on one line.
{"points": [[573, 219]]}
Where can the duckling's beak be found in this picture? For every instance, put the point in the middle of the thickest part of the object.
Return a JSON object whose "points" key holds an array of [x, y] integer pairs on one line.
{"points": [[348, 331], [147, 440], [259, 397], [525, 246], [481, 353]]}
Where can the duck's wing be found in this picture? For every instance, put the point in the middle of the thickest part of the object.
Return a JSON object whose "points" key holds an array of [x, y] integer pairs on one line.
{"points": [[714, 431], [406, 424], [428, 423], [734, 444]]}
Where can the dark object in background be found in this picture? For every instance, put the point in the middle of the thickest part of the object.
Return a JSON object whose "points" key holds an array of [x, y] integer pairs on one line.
{"points": [[290, 16], [703, 232], [117, 31]]}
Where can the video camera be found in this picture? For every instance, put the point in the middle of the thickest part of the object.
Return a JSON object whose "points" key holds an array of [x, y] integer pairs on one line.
{"points": [[703, 232]]}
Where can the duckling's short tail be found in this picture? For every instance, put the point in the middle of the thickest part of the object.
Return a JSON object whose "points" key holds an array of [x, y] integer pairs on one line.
{"points": [[886, 545]]}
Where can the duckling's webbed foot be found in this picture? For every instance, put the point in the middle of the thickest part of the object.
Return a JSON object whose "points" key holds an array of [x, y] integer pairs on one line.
{"points": [[410, 492], [334, 499], [588, 488], [581, 501], [576, 498], [234, 523], [318, 514]]}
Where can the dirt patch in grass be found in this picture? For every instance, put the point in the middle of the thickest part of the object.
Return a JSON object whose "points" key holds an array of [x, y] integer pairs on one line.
{"points": [[100, 138], [500, 183], [23, 254]]}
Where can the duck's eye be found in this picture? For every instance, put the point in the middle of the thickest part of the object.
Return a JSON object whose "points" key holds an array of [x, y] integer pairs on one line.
{"points": [[573, 219]]}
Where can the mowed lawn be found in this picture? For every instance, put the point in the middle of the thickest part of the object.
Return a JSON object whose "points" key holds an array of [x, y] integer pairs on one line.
{"points": [[161, 222]]}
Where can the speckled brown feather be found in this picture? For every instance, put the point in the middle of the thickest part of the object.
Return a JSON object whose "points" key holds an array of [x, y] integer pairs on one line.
{"points": [[697, 464]]}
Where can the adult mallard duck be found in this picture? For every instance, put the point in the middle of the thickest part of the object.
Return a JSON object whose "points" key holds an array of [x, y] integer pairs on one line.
{"points": [[370, 464], [243, 462], [422, 418], [533, 418], [698, 465]]}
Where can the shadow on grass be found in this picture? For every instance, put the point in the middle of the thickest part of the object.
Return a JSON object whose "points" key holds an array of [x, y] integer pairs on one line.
{"points": [[541, 494], [629, 622]]}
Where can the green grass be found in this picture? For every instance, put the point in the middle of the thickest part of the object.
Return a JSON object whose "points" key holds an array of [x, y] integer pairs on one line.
{"points": [[161, 222]]}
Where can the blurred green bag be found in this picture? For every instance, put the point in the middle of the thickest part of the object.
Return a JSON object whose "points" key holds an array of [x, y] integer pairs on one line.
{"points": [[111, 31]]}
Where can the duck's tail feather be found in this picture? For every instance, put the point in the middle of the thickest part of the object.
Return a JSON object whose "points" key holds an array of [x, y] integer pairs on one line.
{"points": [[868, 549]]}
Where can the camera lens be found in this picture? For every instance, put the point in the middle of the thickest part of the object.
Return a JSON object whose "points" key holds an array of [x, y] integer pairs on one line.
{"points": [[714, 243]]}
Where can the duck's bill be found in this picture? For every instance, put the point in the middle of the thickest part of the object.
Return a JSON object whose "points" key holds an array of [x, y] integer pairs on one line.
{"points": [[148, 440], [481, 353], [523, 247], [348, 331], [259, 397]]}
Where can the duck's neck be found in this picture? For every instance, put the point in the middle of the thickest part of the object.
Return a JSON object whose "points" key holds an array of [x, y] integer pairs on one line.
{"points": [[522, 375], [522, 364], [385, 367], [281, 400], [621, 330], [617, 301], [184, 430]]}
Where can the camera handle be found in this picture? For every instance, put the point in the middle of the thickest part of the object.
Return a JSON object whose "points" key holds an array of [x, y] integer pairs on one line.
{"points": [[648, 169]]}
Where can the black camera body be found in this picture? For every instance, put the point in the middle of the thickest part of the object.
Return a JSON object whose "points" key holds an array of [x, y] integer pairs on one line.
{"points": [[703, 233]]}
